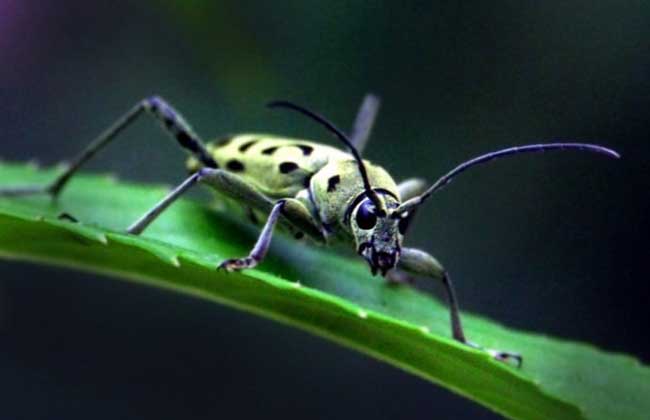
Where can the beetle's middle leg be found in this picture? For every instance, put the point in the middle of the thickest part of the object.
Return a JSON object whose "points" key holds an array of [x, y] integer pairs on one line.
{"points": [[421, 263], [235, 187], [408, 189]]}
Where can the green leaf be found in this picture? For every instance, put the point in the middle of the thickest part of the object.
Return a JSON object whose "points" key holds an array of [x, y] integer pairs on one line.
{"points": [[315, 290]]}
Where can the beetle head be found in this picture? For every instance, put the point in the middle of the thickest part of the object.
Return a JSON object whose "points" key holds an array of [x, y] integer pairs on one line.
{"points": [[377, 234]]}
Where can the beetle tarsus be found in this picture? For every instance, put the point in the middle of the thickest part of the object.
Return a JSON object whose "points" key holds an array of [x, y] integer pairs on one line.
{"points": [[237, 264], [500, 355], [506, 357]]}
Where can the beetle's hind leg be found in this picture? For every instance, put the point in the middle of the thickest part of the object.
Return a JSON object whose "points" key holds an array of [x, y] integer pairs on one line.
{"points": [[421, 263], [171, 120]]}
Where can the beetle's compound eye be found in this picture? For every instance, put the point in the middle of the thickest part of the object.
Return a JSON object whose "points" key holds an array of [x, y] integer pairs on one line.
{"points": [[366, 217]]}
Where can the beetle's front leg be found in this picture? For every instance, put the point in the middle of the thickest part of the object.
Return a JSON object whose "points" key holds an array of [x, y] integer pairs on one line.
{"points": [[421, 263], [262, 245], [298, 216]]}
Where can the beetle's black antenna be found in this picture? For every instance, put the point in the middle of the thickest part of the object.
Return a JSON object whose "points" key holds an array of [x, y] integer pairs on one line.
{"points": [[341, 136], [531, 148]]}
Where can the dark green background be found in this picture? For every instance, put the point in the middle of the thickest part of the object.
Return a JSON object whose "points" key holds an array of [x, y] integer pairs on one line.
{"points": [[554, 243]]}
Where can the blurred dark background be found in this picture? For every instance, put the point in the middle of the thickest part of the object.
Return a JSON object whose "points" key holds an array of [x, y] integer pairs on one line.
{"points": [[553, 243]]}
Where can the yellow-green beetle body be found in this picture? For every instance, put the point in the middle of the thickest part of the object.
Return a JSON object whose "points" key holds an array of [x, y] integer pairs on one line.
{"points": [[323, 178]]}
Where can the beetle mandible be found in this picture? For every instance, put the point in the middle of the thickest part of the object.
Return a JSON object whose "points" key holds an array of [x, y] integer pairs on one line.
{"points": [[325, 194]]}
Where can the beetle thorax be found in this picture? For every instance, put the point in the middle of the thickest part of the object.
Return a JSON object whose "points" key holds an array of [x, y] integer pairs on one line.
{"points": [[337, 187], [340, 199]]}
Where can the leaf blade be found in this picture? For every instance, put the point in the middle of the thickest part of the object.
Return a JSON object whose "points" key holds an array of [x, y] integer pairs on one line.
{"points": [[397, 325]]}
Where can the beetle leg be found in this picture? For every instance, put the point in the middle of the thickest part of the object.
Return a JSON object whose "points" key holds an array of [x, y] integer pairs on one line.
{"points": [[294, 211], [171, 121], [235, 187], [301, 218], [261, 247], [143, 222], [421, 263], [224, 182], [364, 121], [410, 188]]}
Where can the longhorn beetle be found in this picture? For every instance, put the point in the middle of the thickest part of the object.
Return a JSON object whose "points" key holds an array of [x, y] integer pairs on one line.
{"points": [[314, 190]]}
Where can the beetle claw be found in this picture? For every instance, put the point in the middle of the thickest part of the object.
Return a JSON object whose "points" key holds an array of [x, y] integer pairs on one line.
{"points": [[237, 264], [506, 357], [500, 355]]}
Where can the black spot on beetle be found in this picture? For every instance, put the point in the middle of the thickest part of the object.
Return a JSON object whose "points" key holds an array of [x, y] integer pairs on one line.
{"points": [[307, 180], [235, 166], [208, 161], [224, 141], [211, 163], [169, 122], [299, 235], [247, 145], [286, 167], [306, 149], [187, 141], [269, 150], [332, 182]]}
